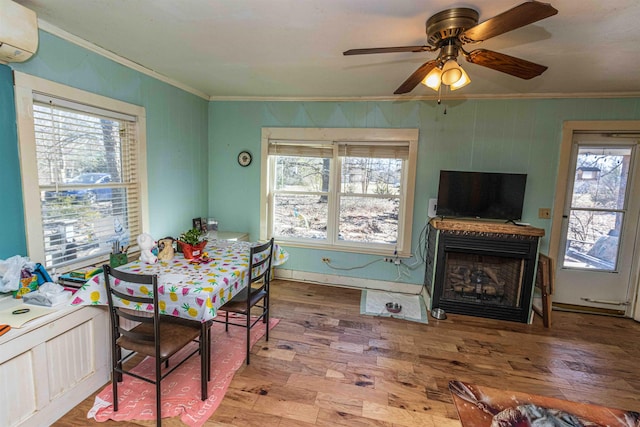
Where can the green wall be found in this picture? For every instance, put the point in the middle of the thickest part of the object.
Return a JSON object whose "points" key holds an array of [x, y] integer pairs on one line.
{"points": [[192, 146], [516, 135], [176, 136]]}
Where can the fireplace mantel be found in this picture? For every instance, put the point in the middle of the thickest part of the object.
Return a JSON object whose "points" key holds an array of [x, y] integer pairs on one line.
{"points": [[448, 224], [482, 268]]}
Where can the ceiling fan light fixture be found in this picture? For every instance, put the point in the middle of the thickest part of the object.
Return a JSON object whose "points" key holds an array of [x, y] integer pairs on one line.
{"points": [[450, 29], [451, 72], [432, 79], [462, 82]]}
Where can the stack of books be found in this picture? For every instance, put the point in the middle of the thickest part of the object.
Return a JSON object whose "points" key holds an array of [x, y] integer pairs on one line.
{"points": [[85, 273], [67, 280], [77, 278]]}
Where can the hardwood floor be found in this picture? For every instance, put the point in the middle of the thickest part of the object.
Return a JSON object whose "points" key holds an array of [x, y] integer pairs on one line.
{"points": [[327, 365]]}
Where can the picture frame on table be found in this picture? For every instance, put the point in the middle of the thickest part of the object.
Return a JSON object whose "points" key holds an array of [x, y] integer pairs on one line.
{"points": [[200, 224]]}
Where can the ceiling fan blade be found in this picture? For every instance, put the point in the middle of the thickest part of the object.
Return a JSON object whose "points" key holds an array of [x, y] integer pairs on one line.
{"points": [[519, 16], [416, 77], [389, 50], [506, 64]]}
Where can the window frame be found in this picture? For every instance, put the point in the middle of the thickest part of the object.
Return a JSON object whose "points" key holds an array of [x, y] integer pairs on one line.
{"points": [[335, 136], [26, 88]]}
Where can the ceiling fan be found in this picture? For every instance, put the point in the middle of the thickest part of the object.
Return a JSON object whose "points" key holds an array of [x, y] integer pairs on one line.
{"points": [[449, 30]]}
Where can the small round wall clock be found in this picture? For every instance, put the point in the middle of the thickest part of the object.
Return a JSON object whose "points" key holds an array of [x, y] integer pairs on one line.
{"points": [[244, 158]]}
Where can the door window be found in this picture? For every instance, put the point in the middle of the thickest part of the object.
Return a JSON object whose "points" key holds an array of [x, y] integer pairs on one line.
{"points": [[598, 207]]}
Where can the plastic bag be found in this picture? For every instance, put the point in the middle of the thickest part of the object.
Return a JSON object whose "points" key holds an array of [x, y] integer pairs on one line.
{"points": [[41, 272], [48, 295], [10, 270]]}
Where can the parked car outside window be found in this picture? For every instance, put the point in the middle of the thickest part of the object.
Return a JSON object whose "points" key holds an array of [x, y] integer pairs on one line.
{"points": [[90, 195]]}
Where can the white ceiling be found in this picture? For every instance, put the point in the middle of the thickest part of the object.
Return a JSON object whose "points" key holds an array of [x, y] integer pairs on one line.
{"points": [[293, 48]]}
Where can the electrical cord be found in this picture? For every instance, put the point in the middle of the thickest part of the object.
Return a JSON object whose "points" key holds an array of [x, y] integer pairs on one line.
{"points": [[419, 251], [399, 266], [420, 256], [352, 268], [401, 273]]}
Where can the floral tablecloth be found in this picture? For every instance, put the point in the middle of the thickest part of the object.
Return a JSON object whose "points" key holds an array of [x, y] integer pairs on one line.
{"points": [[186, 288]]}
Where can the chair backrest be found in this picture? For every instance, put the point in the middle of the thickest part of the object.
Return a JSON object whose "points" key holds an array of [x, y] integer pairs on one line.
{"points": [[138, 289], [260, 258]]}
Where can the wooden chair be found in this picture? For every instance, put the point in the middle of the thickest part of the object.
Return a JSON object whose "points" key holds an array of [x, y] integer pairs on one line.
{"points": [[256, 294], [158, 336]]}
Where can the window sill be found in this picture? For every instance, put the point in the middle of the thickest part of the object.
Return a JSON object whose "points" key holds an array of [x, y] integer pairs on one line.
{"points": [[365, 250], [94, 262]]}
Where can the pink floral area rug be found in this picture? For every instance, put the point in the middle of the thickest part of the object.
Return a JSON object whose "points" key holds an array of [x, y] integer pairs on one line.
{"points": [[181, 388], [488, 407]]}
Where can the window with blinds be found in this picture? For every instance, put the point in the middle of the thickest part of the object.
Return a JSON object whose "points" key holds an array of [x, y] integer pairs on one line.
{"points": [[88, 180], [341, 192]]}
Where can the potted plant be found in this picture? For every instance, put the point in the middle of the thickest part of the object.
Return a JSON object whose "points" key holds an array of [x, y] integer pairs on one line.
{"points": [[192, 243]]}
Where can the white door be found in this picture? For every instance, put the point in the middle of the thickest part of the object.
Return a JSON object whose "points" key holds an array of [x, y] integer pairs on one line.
{"points": [[600, 225]]}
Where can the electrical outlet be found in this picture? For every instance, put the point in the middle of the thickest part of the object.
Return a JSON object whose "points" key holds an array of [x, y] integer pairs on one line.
{"points": [[388, 260], [325, 259], [544, 213], [431, 210]]}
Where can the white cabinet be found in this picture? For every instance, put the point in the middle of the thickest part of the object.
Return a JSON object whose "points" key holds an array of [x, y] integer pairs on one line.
{"points": [[52, 364], [233, 236]]}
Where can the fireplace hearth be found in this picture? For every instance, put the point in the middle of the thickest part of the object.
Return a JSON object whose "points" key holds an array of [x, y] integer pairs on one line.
{"points": [[482, 269]]}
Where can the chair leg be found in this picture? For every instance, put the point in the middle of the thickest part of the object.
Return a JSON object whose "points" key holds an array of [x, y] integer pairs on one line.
{"points": [[158, 393], [226, 321], [265, 308], [209, 352], [204, 361], [203, 371], [119, 364], [266, 314], [115, 377], [248, 336]]}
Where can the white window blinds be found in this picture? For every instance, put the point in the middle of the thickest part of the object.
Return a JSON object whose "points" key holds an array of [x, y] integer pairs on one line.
{"points": [[371, 149], [379, 150], [88, 180], [300, 148]]}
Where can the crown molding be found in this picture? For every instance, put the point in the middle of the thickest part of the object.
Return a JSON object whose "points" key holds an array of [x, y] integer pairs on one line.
{"points": [[397, 98], [52, 29]]}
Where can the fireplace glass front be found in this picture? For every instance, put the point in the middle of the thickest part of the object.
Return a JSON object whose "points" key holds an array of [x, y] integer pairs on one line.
{"points": [[483, 279]]}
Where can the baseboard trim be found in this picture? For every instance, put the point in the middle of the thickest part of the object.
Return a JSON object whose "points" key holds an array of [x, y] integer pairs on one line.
{"points": [[352, 282], [587, 310], [426, 297]]}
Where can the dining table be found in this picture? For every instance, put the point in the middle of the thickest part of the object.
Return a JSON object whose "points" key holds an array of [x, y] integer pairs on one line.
{"points": [[192, 289]]}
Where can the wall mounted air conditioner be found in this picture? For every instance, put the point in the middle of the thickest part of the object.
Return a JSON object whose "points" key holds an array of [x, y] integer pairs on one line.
{"points": [[18, 32]]}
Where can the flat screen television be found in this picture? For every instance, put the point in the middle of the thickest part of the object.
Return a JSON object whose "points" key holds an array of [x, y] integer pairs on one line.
{"points": [[481, 195]]}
